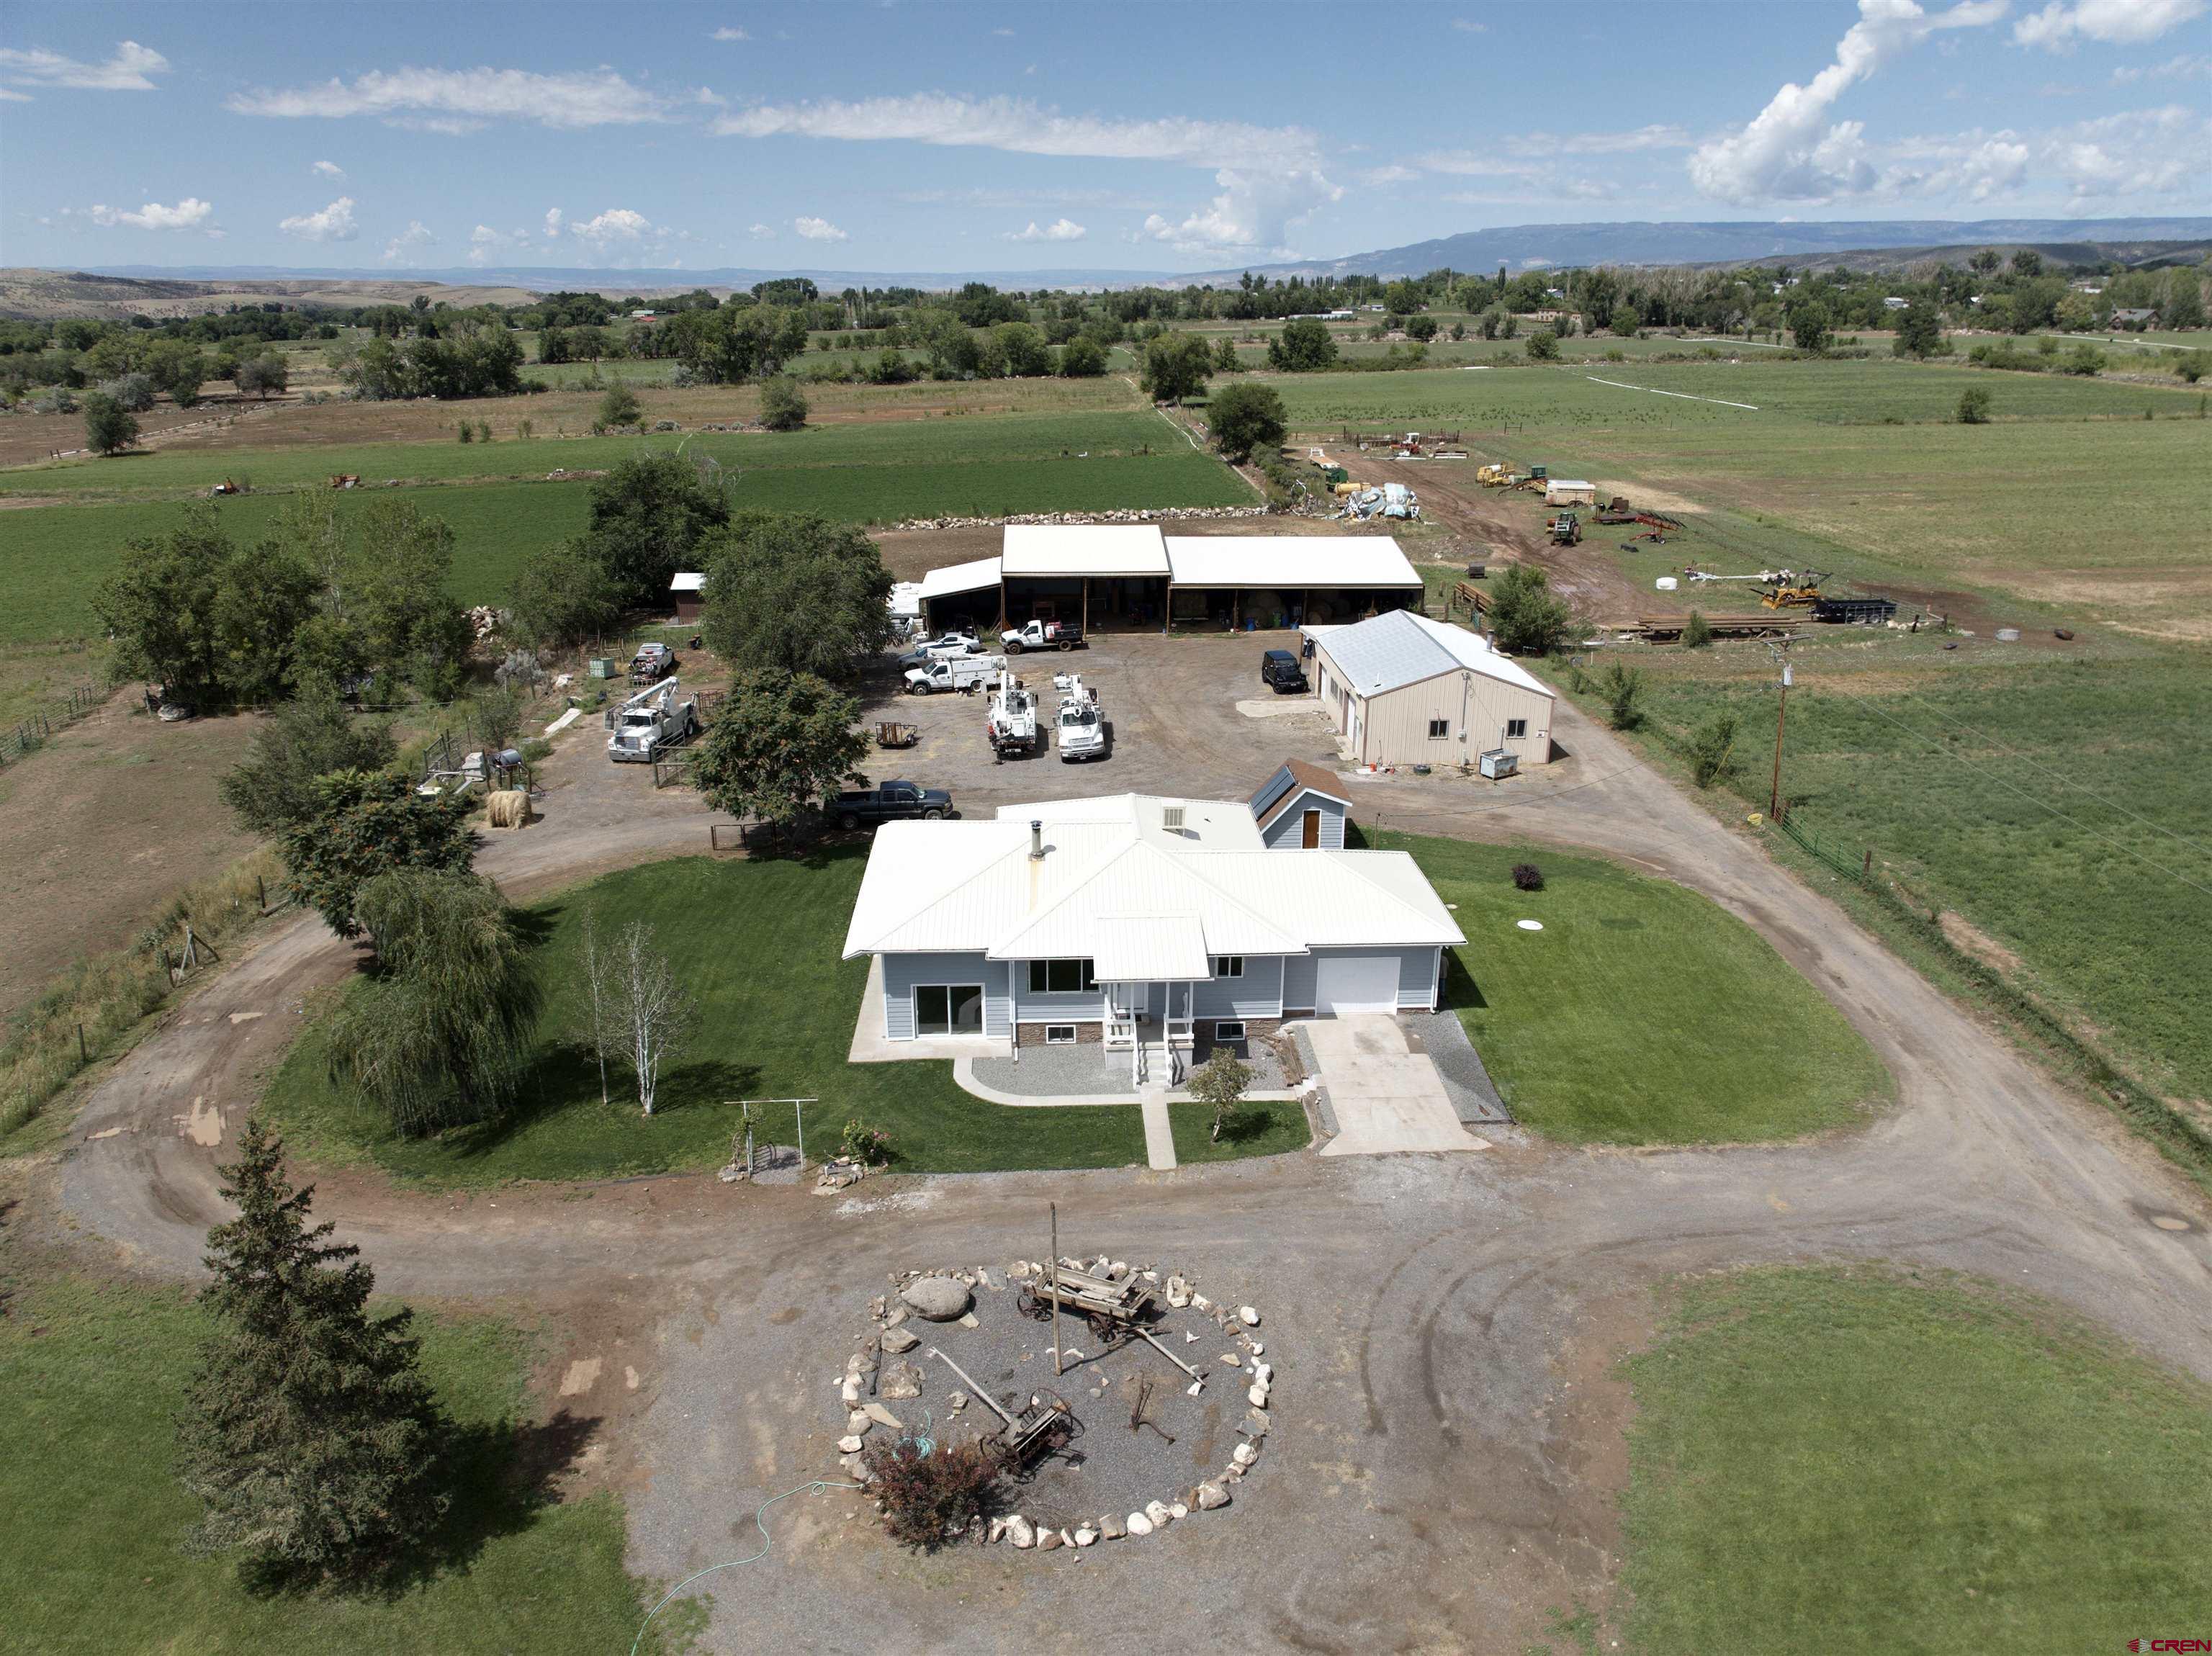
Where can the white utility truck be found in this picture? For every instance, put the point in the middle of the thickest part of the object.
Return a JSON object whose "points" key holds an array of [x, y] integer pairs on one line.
{"points": [[1012, 725], [1082, 727], [652, 719], [961, 673]]}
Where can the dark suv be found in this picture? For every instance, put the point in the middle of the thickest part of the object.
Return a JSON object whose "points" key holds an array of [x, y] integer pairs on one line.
{"points": [[1282, 670]]}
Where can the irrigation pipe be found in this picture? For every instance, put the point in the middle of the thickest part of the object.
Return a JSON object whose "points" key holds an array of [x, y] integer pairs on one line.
{"points": [[819, 1483], [1685, 396]]}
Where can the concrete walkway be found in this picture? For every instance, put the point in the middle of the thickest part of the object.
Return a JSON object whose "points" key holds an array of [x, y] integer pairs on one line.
{"points": [[871, 1046], [1159, 1134], [1388, 1099]]}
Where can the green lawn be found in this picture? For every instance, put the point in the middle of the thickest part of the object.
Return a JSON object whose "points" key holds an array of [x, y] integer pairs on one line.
{"points": [[52, 558], [1641, 1014], [92, 1520], [1845, 1462], [757, 943]]}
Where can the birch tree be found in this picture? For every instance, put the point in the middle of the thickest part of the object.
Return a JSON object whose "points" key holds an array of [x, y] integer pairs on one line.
{"points": [[654, 1012], [595, 980]]}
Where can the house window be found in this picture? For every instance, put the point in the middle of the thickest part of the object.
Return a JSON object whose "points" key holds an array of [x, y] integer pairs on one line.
{"points": [[1516, 727], [1229, 1029], [948, 1008], [1059, 1034], [1060, 977], [1439, 729], [1228, 966]]}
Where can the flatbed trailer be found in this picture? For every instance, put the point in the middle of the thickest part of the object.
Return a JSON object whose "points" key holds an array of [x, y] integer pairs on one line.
{"points": [[1663, 628]]}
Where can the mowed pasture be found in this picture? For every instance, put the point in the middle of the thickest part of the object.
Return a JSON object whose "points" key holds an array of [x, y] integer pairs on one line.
{"points": [[53, 557]]}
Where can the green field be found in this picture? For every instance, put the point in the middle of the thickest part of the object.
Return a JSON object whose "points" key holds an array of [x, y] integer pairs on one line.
{"points": [[93, 1521], [1641, 1014], [763, 1034], [2046, 800], [52, 557], [1850, 1463]]}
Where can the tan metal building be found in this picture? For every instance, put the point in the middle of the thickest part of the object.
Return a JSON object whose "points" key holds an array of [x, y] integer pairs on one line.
{"points": [[1402, 689]]}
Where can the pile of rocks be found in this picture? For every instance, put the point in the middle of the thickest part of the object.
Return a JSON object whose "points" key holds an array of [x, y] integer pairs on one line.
{"points": [[838, 1172], [1116, 515]]}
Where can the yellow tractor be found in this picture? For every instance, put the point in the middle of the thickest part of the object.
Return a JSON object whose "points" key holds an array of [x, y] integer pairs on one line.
{"points": [[1493, 476], [1793, 591]]}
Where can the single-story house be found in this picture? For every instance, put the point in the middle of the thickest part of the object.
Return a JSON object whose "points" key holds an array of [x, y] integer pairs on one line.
{"points": [[1893, 303], [1402, 689], [1142, 924], [2135, 318], [1301, 805], [1113, 577], [1570, 491], [689, 590]]}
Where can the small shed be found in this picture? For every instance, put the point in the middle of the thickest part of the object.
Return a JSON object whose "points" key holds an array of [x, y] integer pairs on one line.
{"points": [[1301, 807], [1402, 689], [689, 588], [1570, 491]]}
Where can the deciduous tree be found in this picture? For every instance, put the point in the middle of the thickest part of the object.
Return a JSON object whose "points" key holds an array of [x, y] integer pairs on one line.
{"points": [[653, 1012], [781, 743], [109, 427], [782, 404], [562, 595], [1304, 345], [364, 823], [1176, 366], [648, 515], [1525, 617], [791, 593], [273, 787], [1244, 418]]}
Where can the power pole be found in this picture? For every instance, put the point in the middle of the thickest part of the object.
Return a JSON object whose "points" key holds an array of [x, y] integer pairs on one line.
{"points": [[1781, 710]]}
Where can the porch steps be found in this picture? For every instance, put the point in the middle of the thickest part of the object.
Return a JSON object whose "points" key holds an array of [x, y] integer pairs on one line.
{"points": [[1159, 1136]]}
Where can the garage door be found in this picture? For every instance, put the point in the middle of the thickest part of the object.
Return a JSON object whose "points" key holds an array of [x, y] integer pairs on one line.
{"points": [[1355, 983]]}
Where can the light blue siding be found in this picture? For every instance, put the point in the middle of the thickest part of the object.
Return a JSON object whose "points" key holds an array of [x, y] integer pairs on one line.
{"points": [[1300, 975], [1083, 1006], [1417, 975], [903, 972], [1257, 994], [1287, 831]]}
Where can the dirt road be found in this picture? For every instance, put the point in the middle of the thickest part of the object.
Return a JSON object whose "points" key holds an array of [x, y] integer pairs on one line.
{"points": [[1447, 1450]]}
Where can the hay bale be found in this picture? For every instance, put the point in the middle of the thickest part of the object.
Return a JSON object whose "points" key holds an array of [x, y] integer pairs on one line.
{"points": [[508, 808]]}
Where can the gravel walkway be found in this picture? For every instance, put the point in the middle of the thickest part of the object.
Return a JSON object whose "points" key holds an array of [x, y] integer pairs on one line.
{"points": [[1443, 1038], [1088, 1069]]}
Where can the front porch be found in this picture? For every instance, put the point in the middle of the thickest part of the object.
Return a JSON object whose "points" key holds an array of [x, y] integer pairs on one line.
{"points": [[1091, 1072]]}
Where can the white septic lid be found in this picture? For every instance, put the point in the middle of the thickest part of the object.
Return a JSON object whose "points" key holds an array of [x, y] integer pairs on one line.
{"points": [[1529, 926]]}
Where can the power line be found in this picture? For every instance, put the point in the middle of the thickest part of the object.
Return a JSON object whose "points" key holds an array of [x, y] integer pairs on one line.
{"points": [[2001, 782]]}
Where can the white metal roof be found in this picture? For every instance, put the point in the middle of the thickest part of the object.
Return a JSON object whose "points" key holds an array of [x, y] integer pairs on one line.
{"points": [[688, 581], [1390, 652], [1083, 550], [960, 577], [1281, 562], [906, 598], [1117, 884], [1570, 483]]}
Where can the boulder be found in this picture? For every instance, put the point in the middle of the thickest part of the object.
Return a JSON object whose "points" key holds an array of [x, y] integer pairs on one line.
{"points": [[849, 1444], [901, 1380], [1178, 1292], [1248, 1317], [858, 1421], [1112, 1527], [898, 1340], [1256, 1346], [1201, 1302], [956, 1401], [877, 1306], [854, 1467], [997, 1530], [967, 1321], [1086, 1536], [1257, 1394], [850, 1390], [1245, 1453], [1178, 1509], [1263, 1373], [1256, 1424], [1211, 1496], [1230, 1358], [882, 1416], [941, 1299], [1158, 1512], [1020, 1531], [1048, 1540], [1139, 1524]]}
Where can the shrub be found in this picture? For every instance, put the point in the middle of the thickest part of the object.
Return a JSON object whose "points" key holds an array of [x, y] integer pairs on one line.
{"points": [[1525, 618], [870, 1146], [782, 406], [108, 427], [1712, 749], [2191, 365], [1543, 346], [1622, 686], [928, 1498], [1245, 417], [1974, 406], [1697, 632], [619, 407], [1527, 876]]}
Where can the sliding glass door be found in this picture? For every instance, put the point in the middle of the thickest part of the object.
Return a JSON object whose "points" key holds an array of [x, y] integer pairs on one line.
{"points": [[955, 1008]]}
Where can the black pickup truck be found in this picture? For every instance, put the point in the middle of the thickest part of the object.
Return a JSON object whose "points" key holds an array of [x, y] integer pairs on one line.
{"points": [[883, 805]]}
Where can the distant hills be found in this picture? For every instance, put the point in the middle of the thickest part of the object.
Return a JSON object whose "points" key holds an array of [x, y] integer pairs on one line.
{"points": [[1860, 245]]}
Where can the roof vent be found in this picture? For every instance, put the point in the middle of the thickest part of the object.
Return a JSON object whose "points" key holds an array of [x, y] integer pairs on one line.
{"points": [[1171, 818], [1036, 841]]}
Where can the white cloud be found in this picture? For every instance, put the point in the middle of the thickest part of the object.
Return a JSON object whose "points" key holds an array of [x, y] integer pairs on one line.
{"points": [[1253, 214], [190, 214], [2184, 67], [1022, 125], [1468, 26], [2115, 22], [484, 241], [1789, 151], [328, 169], [1003, 33], [2142, 152], [616, 227], [126, 71], [1391, 174], [403, 248], [762, 231], [1601, 144], [816, 229], [727, 34], [1061, 230], [552, 222], [334, 223], [462, 101]]}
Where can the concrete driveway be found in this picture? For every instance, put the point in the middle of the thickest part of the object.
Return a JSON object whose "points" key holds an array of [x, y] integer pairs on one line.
{"points": [[1388, 1098]]}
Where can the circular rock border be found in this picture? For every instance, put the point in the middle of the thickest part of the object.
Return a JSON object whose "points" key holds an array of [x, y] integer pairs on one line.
{"points": [[947, 1296]]}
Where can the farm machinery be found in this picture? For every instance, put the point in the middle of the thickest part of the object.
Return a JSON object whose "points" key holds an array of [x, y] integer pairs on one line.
{"points": [[1012, 722], [1565, 528], [1794, 590]]}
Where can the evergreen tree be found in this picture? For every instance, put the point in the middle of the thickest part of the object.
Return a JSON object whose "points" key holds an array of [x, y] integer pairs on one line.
{"points": [[309, 1434]]}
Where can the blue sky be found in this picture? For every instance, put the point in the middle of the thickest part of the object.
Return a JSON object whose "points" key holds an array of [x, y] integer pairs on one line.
{"points": [[969, 137]]}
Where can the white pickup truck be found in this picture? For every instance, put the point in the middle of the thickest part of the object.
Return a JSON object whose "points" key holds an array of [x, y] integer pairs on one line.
{"points": [[961, 673]]}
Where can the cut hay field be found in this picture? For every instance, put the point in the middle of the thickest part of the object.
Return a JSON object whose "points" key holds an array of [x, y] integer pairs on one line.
{"points": [[52, 557]]}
